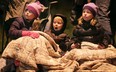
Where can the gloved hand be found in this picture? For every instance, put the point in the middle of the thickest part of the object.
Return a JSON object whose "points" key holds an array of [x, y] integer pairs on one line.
{"points": [[30, 33], [100, 46], [75, 45]]}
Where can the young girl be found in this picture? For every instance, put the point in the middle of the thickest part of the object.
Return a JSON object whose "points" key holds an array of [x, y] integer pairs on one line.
{"points": [[58, 26], [77, 10], [88, 29], [22, 25]]}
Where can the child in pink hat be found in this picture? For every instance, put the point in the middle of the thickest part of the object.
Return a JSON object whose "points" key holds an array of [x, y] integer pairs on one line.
{"points": [[21, 26]]}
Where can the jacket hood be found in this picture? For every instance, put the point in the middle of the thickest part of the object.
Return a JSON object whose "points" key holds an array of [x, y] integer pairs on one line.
{"points": [[64, 24]]}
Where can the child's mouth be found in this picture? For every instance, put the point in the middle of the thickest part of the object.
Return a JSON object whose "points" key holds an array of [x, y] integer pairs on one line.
{"points": [[56, 28]]}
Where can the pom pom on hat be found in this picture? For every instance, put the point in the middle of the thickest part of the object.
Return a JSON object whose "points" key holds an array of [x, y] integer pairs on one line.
{"points": [[35, 8], [92, 7]]}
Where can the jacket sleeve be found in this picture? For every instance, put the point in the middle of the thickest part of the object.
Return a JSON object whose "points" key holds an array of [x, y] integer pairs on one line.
{"points": [[57, 38], [76, 31], [106, 40], [105, 37], [14, 30]]}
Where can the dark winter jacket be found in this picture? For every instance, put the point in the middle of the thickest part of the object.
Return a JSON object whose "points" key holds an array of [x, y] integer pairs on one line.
{"points": [[61, 39], [17, 26], [94, 34]]}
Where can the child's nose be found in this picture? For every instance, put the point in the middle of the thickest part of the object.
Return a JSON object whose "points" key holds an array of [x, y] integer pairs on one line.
{"points": [[27, 12], [85, 14], [56, 24]]}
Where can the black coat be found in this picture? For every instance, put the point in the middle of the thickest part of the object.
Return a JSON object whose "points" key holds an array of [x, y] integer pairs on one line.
{"points": [[94, 34], [61, 39], [19, 25]]}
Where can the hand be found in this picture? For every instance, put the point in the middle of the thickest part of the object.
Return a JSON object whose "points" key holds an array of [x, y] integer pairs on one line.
{"points": [[34, 35], [75, 45], [101, 47], [30, 33]]}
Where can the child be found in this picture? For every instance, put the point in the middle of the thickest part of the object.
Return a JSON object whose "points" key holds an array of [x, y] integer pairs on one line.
{"points": [[22, 25], [58, 26], [88, 29], [77, 10]]}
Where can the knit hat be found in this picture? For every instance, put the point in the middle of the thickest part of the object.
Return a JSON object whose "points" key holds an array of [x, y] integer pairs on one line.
{"points": [[35, 8], [92, 7]]}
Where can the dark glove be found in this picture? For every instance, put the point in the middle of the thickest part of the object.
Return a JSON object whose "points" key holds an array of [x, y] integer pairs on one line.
{"points": [[30, 33]]}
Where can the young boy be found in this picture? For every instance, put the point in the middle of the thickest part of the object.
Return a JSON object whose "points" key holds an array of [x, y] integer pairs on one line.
{"points": [[58, 26]]}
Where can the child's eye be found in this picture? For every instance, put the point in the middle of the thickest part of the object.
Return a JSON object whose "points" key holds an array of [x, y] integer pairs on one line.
{"points": [[83, 11], [26, 9], [88, 12], [57, 22], [30, 11], [54, 22]]}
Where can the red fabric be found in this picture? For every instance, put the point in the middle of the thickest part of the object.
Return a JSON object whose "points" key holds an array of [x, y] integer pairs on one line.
{"points": [[17, 63], [30, 33]]}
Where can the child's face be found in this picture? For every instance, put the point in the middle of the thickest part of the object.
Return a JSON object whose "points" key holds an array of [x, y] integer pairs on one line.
{"points": [[57, 23], [87, 15], [29, 15]]}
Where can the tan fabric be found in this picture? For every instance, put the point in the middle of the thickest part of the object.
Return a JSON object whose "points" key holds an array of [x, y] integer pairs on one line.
{"points": [[87, 54], [44, 51], [21, 49], [94, 60], [105, 67], [92, 46], [38, 51], [88, 45]]}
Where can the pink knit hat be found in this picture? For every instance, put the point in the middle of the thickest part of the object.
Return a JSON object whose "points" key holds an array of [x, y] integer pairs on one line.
{"points": [[92, 7], [35, 8]]}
